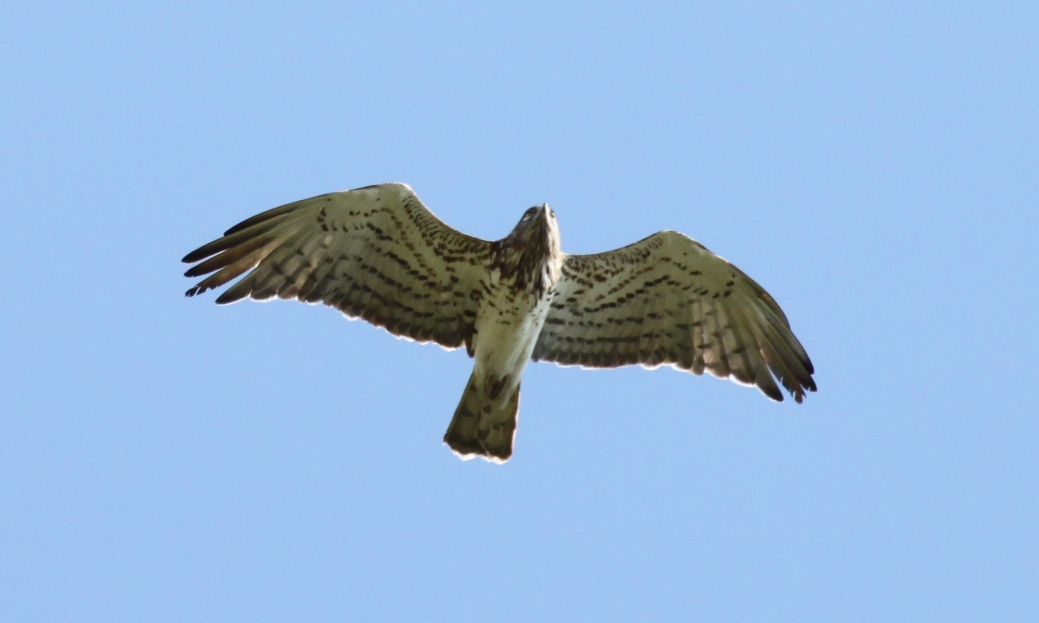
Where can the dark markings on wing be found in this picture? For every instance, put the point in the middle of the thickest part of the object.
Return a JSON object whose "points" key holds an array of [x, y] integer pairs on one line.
{"points": [[667, 300], [374, 253]]}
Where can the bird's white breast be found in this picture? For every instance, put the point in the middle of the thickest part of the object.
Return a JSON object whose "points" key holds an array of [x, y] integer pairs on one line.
{"points": [[507, 328]]}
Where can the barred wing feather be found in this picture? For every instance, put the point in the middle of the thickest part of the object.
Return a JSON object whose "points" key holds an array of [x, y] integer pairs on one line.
{"points": [[667, 300], [374, 253]]}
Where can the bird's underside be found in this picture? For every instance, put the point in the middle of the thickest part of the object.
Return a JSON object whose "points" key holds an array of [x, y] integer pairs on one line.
{"points": [[379, 254]]}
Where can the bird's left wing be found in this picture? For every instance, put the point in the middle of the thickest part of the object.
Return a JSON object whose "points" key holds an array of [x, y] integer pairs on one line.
{"points": [[374, 253], [668, 300]]}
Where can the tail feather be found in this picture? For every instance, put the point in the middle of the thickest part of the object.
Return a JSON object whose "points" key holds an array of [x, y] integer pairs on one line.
{"points": [[483, 426]]}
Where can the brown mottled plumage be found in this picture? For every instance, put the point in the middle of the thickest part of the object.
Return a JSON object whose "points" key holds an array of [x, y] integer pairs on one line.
{"points": [[374, 253], [377, 253], [667, 300]]}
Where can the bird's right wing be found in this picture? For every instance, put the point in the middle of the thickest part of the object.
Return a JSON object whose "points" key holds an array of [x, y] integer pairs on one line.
{"points": [[374, 253], [668, 300]]}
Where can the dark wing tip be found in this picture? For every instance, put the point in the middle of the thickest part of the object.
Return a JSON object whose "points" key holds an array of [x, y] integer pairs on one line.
{"points": [[270, 214], [772, 392], [807, 383], [232, 295], [196, 255], [195, 271]]}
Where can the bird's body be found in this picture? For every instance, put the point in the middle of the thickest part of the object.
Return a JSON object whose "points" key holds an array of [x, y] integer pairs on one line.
{"points": [[517, 294], [377, 253], [485, 421], [508, 323]]}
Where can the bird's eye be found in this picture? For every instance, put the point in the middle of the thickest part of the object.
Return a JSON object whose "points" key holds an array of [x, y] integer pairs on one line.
{"points": [[529, 213]]}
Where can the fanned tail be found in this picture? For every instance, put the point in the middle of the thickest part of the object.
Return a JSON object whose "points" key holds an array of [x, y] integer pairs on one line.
{"points": [[483, 426]]}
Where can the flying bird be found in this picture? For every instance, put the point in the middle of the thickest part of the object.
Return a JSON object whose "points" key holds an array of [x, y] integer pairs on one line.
{"points": [[379, 254]]}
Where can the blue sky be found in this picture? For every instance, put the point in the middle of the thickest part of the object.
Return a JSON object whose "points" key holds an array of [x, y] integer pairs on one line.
{"points": [[873, 165]]}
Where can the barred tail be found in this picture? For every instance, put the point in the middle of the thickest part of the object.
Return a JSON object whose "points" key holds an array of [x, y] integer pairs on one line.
{"points": [[483, 426]]}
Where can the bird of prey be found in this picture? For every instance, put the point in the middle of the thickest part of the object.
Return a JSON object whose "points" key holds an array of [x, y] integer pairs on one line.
{"points": [[379, 254]]}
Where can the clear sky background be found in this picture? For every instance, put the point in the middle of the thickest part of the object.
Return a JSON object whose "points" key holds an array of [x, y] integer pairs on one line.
{"points": [[874, 165]]}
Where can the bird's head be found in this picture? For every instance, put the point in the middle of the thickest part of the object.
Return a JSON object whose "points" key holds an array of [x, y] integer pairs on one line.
{"points": [[537, 222], [532, 251]]}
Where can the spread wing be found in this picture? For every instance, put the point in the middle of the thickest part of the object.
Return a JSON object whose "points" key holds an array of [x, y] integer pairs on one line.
{"points": [[374, 253], [668, 300]]}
